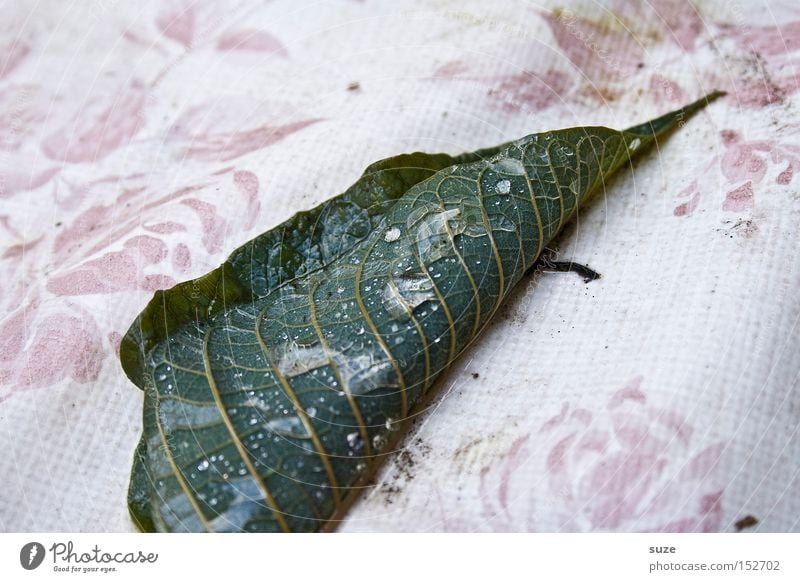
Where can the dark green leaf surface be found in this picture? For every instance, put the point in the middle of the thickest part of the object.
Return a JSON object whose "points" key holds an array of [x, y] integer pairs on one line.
{"points": [[274, 383]]}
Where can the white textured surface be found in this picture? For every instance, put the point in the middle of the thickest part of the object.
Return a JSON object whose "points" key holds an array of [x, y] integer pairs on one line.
{"points": [[663, 396]]}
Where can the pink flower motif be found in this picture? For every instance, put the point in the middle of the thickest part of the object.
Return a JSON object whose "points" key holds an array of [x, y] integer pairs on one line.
{"points": [[13, 182], [247, 184], [116, 271], [692, 192], [217, 134], [598, 52], [745, 165], [681, 22], [39, 349], [526, 91], [451, 70], [667, 91], [743, 160], [774, 49], [750, 160], [178, 24], [739, 199], [99, 127], [137, 239], [529, 91], [251, 40], [214, 226], [627, 467], [182, 258], [631, 467], [769, 40]]}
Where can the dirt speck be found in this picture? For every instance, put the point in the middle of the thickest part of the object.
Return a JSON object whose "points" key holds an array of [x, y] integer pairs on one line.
{"points": [[463, 450], [389, 492], [513, 313], [745, 522], [745, 228], [403, 469]]}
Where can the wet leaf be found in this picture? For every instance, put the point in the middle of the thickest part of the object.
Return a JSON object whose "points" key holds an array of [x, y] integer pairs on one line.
{"points": [[275, 384]]}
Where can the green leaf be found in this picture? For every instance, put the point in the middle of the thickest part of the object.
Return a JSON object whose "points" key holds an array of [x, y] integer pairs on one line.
{"points": [[274, 384]]}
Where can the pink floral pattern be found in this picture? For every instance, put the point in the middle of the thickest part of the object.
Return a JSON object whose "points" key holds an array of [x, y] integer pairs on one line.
{"points": [[774, 52], [213, 134], [745, 166], [99, 127], [178, 23], [526, 91], [631, 466], [139, 152], [103, 251], [38, 350], [251, 40], [119, 226]]}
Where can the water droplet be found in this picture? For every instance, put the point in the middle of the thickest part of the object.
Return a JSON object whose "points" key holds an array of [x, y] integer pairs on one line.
{"points": [[378, 442], [289, 426], [177, 414], [503, 187], [311, 411], [392, 234], [296, 359], [433, 234], [203, 465], [505, 224], [403, 294], [354, 440], [509, 166]]}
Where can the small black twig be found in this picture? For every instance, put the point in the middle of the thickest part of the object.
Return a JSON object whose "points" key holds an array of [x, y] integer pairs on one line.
{"points": [[569, 266]]}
